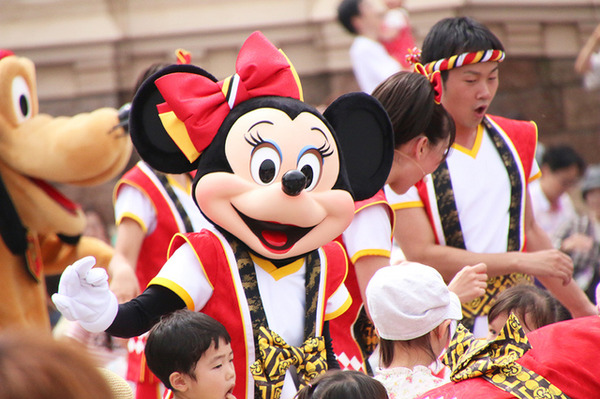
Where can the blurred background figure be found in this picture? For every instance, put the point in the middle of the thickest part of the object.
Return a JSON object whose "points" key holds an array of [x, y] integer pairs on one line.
{"points": [[580, 236], [587, 63], [371, 61], [562, 168], [35, 366]]}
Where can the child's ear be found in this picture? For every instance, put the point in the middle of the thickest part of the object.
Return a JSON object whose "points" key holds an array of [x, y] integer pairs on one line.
{"points": [[178, 381]]}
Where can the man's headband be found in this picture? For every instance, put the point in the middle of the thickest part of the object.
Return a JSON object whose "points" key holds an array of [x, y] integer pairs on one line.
{"points": [[456, 61]]}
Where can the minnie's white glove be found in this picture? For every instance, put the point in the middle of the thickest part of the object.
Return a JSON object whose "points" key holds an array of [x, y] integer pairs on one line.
{"points": [[83, 296]]}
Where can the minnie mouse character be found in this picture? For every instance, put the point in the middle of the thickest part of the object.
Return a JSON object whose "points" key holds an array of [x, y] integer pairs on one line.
{"points": [[271, 177]]}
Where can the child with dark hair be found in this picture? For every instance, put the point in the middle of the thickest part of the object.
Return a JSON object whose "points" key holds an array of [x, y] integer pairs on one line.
{"points": [[348, 384], [533, 306], [190, 353]]}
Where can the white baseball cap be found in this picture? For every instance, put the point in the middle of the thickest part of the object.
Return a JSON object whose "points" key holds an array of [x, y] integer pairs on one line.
{"points": [[409, 300]]}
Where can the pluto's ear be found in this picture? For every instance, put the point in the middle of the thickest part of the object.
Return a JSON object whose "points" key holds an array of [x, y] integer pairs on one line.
{"points": [[148, 134], [366, 138]]}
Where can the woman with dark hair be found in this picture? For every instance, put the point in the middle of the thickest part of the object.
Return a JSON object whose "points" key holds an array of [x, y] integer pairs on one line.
{"points": [[423, 130]]}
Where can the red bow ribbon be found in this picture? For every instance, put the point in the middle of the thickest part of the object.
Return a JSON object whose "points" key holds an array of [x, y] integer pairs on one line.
{"points": [[202, 104], [435, 79]]}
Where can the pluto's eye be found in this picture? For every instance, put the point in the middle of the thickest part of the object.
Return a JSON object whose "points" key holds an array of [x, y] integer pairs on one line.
{"points": [[264, 164], [21, 99], [310, 165]]}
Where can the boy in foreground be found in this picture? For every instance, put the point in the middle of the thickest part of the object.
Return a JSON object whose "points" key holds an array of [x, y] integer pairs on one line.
{"points": [[191, 354]]}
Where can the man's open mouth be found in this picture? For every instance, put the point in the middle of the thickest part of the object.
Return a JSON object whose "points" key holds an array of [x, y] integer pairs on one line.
{"points": [[276, 237]]}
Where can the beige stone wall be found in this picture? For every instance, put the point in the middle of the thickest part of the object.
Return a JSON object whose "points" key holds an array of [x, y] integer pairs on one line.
{"points": [[89, 53]]}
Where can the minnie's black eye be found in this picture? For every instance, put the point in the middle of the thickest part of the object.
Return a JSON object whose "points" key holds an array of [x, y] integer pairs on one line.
{"points": [[264, 164], [308, 172], [267, 171], [310, 165]]}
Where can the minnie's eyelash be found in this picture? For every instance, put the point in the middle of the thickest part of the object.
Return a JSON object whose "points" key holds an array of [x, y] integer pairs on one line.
{"points": [[325, 150], [255, 140]]}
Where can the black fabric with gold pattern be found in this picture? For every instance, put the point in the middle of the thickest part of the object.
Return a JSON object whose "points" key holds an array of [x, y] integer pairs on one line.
{"points": [[274, 356], [167, 186], [495, 361], [365, 336], [453, 233]]}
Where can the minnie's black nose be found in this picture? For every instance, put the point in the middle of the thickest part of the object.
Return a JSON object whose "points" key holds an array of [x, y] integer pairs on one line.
{"points": [[293, 182]]}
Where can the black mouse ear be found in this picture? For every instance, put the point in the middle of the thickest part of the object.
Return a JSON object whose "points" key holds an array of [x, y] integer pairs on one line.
{"points": [[366, 138], [148, 134]]}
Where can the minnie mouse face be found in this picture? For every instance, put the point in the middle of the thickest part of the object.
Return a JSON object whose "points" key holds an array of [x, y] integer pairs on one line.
{"points": [[270, 169], [278, 197]]}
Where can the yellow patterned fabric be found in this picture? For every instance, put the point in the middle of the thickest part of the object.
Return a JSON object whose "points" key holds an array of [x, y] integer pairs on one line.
{"points": [[495, 361], [276, 357]]}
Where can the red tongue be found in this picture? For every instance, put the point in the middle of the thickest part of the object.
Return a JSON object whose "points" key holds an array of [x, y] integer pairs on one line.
{"points": [[275, 238]]}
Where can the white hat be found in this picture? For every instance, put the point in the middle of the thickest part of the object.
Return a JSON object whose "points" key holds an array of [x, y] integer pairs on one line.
{"points": [[409, 300]]}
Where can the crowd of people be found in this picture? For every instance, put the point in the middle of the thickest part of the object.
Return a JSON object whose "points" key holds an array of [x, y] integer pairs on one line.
{"points": [[493, 247]]}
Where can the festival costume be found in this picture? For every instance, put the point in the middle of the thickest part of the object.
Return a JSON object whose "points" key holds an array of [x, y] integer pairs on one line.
{"points": [[239, 309], [169, 217], [461, 191], [258, 151], [352, 333], [542, 364]]}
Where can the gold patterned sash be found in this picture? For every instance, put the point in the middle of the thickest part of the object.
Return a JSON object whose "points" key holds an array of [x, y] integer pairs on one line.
{"points": [[452, 230], [273, 355], [495, 361]]}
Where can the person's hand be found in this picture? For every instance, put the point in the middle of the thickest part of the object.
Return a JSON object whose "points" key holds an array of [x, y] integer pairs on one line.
{"points": [[577, 243], [123, 282], [83, 296], [470, 282], [546, 263]]}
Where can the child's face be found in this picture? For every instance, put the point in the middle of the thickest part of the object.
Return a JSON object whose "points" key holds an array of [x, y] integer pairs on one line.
{"points": [[468, 92], [215, 374]]}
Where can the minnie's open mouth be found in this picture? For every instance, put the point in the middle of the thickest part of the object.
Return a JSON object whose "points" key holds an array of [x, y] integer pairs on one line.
{"points": [[60, 199], [276, 237]]}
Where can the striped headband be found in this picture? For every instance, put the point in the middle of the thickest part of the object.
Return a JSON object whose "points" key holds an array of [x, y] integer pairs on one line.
{"points": [[463, 59]]}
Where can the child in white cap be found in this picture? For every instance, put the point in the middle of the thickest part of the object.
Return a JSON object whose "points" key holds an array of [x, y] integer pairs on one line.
{"points": [[414, 313]]}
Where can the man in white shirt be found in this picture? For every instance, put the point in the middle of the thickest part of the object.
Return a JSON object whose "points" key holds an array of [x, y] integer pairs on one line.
{"points": [[371, 62]]}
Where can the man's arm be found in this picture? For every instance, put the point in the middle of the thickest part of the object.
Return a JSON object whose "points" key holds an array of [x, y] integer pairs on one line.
{"points": [[130, 237], [582, 63], [416, 238]]}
